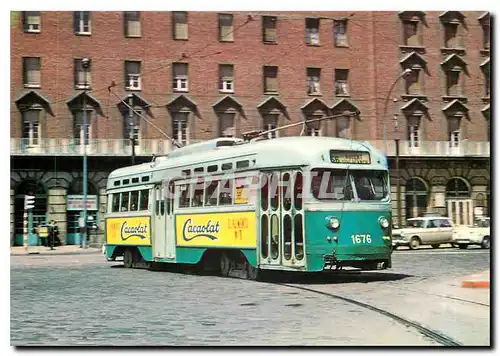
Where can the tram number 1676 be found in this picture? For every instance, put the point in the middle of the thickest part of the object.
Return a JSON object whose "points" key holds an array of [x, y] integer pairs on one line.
{"points": [[357, 239]]}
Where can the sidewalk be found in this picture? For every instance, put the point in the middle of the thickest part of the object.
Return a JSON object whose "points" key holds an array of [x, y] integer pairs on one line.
{"points": [[59, 250], [478, 280]]}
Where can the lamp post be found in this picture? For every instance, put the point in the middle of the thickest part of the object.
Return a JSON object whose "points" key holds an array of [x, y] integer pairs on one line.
{"points": [[85, 65], [131, 123], [398, 182], [404, 74]]}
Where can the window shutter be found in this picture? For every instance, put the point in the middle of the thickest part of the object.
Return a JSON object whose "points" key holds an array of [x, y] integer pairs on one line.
{"points": [[32, 68], [180, 70], [76, 21], [270, 79], [226, 72]]}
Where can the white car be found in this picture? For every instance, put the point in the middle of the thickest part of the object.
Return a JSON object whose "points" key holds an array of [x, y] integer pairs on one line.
{"points": [[426, 230], [479, 234]]}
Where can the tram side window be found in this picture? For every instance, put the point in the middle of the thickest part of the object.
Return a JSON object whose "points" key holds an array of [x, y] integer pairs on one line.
{"points": [[134, 200], [211, 193], [125, 200], [198, 187], [115, 205], [144, 199], [184, 198], [226, 192]]}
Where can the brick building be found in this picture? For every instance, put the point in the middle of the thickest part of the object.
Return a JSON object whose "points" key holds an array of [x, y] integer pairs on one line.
{"points": [[200, 75]]}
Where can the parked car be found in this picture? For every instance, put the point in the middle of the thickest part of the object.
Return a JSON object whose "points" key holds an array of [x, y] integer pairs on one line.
{"points": [[479, 234], [426, 230]]}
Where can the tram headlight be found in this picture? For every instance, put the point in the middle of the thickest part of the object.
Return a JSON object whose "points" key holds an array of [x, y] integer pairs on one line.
{"points": [[333, 223], [383, 222]]}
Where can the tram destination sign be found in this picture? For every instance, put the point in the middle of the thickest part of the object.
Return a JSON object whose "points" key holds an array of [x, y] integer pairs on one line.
{"points": [[353, 157]]}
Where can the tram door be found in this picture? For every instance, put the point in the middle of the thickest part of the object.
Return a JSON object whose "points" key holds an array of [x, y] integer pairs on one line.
{"points": [[281, 219], [159, 222], [163, 227]]}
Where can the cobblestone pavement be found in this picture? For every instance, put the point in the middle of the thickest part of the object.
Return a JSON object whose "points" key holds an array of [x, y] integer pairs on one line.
{"points": [[83, 300]]}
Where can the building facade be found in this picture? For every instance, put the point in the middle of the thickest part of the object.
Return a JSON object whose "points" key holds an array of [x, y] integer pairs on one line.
{"points": [[421, 79]]}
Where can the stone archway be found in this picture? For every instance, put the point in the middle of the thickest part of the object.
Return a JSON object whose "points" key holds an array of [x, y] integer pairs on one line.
{"points": [[75, 208], [39, 212], [416, 197]]}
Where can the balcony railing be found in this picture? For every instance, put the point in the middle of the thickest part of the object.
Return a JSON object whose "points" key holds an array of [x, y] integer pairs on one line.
{"points": [[465, 148], [148, 147]]}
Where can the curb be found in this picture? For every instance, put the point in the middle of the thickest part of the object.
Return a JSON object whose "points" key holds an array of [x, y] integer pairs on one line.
{"points": [[477, 281]]}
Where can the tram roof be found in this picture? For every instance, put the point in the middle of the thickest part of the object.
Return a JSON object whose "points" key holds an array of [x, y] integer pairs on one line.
{"points": [[283, 151]]}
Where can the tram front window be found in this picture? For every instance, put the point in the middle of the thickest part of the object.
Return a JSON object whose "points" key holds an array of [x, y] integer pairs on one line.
{"points": [[338, 184]]}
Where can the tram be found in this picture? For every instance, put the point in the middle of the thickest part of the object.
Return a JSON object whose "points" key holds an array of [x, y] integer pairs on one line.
{"points": [[294, 203]]}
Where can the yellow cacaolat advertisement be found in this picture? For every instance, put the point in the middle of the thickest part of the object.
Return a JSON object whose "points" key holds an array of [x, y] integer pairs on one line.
{"points": [[128, 231], [225, 229]]}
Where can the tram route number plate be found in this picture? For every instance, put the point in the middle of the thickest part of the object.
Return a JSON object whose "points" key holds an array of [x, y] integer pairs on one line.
{"points": [[361, 239]]}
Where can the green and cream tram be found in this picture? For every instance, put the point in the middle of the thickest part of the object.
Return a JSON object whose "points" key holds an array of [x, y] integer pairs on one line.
{"points": [[293, 203]]}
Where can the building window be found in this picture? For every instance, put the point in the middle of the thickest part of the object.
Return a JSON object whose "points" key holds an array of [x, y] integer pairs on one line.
{"points": [[454, 131], [313, 128], [132, 75], [342, 82], [312, 32], [343, 125], [270, 79], [132, 23], [451, 37], [486, 36], [180, 77], [454, 82], [130, 128], [270, 123], [414, 131], [32, 21], [226, 78], [340, 33], [411, 33], [31, 127], [313, 87], [226, 28], [413, 82], [82, 22], [227, 125], [82, 76], [269, 29], [180, 28], [180, 127], [31, 71], [79, 128]]}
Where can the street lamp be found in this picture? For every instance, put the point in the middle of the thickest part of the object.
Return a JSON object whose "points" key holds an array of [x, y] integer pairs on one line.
{"points": [[85, 65], [404, 74], [398, 182]]}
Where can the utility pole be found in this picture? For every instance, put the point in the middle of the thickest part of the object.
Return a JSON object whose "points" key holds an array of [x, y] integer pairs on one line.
{"points": [[131, 126], [85, 65]]}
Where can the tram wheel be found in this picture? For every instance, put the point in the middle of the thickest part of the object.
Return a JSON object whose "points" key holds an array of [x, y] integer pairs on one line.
{"points": [[128, 258], [225, 264]]}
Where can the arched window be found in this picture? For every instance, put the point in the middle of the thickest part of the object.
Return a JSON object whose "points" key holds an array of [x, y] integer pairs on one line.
{"points": [[457, 188], [416, 197]]}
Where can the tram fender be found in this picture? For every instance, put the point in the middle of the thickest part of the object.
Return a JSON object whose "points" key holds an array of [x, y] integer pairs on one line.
{"points": [[251, 256]]}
